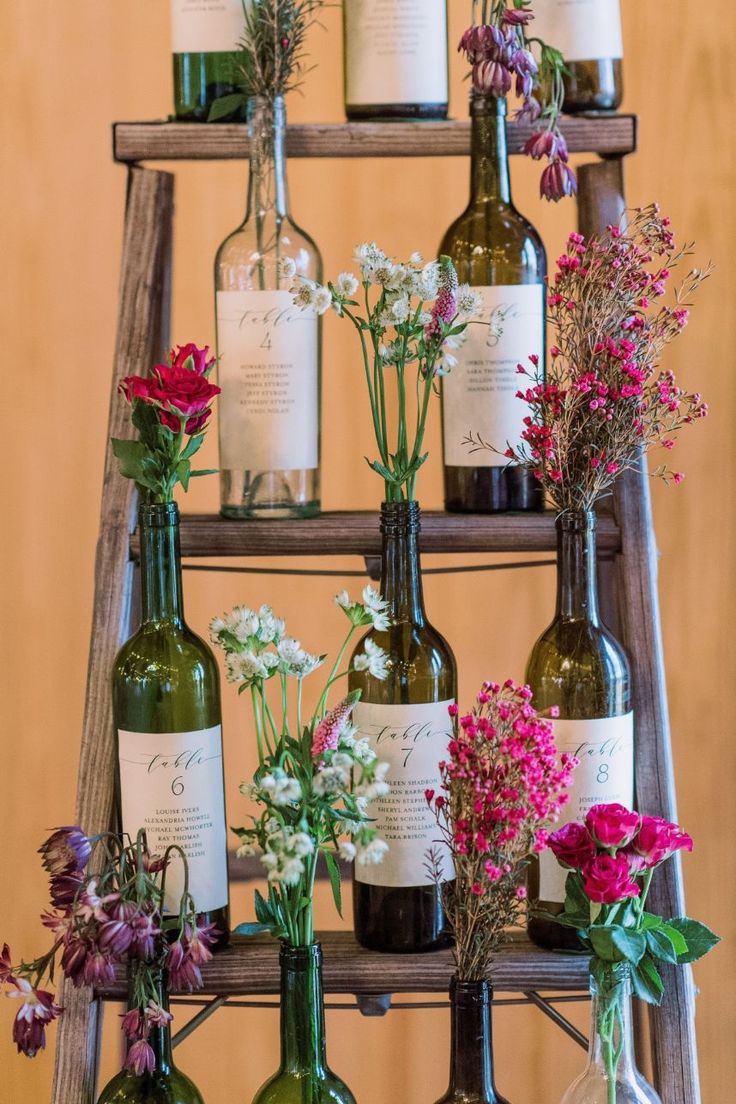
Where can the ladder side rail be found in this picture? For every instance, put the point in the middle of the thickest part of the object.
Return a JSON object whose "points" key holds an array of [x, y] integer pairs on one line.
{"points": [[672, 1028], [142, 337]]}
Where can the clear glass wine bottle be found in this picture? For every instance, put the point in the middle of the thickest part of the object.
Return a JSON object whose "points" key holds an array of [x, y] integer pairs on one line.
{"points": [[269, 349]]}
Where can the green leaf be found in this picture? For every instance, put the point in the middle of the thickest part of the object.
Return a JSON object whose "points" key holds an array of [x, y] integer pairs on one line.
{"points": [[646, 982], [676, 938], [203, 471], [616, 944], [632, 945], [263, 910], [130, 456], [650, 920], [661, 946], [334, 872], [251, 929], [225, 105], [699, 938], [183, 468], [192, 446]]}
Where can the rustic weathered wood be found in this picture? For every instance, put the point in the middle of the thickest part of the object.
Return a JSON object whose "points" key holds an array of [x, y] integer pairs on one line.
{"points": [[251, 966], [357, 533], [674, 1051], [160, 141], [141, 339]]}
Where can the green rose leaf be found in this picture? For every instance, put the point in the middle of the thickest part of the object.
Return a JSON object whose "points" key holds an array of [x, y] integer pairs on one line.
{"points": [[192, 446], [661, 946], [631, 944], [699, 938], [615, 944], [251, 929], [646, 982], [676, 938]]}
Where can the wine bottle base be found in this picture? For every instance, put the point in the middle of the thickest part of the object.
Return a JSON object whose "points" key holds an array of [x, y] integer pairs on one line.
{"points": [[492, 491], [399, 919], [273, 513], [369, 113]]}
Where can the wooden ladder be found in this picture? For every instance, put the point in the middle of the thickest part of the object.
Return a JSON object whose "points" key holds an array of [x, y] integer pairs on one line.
{"points": [[627, 567]]}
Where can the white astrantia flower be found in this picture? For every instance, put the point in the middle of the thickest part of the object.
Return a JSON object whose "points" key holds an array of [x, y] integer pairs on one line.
{"points": [[247, 666], [322, 299], [303, 293], [346, 850], [245, 851], [347, 284], [400, 309], [363, 752], [217, 626], [372, 853], [416, 258], [373, 659], [347, 736], [369, 257], [376, 608], [280, 788], [244, 623], [287, 268], [249, 789], [301, 844], [294, 660], [270, 859], [270, 628], [469, 301], [342, 761], [343, 600], [431, 280], [273, 826], [330, 780]]}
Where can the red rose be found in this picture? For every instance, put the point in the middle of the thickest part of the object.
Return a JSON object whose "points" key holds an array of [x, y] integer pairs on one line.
{"points": [[612, 825], [201, 365], [607, 880], [573, 846], [137, 387], [172, 422], [180, 390], [657, 839]]}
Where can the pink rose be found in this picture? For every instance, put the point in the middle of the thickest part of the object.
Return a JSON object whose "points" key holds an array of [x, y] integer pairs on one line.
{"points": [[612, 825], [657, 839], [573, 846], [607, 880], [182, 390], [201, 364]]}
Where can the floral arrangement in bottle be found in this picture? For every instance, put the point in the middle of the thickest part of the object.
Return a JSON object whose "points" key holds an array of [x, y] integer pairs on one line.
{"points": [[604, 400], [413, 316], [612, 857], [503, 787], [107, 896], [500, 49], [270, 60], [315, 780], [170, 410]]}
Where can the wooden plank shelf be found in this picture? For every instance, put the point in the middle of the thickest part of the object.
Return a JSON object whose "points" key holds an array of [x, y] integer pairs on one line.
{"points": [[250, 967], [608, 135], [340, 533]]}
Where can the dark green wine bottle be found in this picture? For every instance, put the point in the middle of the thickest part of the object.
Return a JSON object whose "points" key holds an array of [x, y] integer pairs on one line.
{"points": [[471, 1045], [166, 709], [204, 37], [588, 35], [499, 252], [395, 59], [397, 903], [166, 1085], [579, 666], [303, 1076]]}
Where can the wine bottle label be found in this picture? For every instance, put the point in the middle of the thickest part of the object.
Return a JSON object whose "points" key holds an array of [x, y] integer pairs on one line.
{"points": [[582, 30], [268, 372], [171, 784], [412, 739], [605, 749], [479, 403], [205, 26], [395, 52]]}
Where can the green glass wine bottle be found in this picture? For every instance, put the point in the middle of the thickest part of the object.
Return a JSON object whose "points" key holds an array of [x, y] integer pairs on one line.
{"points": [[204, 42], [498, 252], [471, 1045], [166, 710], [588, 35], [303, 1076], [269, 349], [580, 667], [396, 64], [397, 903], [166, 1085]]}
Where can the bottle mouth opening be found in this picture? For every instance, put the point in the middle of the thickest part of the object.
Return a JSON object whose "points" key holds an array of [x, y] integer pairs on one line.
{"points": [[301, 956], [576, 521], [471, 992], [400, 516]]}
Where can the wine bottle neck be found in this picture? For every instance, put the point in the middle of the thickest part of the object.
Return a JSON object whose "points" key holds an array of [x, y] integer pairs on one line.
{"points": [[302, 1010], [401, 580], [577, 588], [159, 1038], [489, 172], [268, 195], [161, 588], [471, 1047], [611, 1031]]}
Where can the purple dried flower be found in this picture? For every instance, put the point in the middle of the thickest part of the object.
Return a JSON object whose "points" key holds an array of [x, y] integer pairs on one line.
{"points": [[116, 936], [183, 972], [492, 76], [73, 959], [37, 1010], [140, 1058], [66, 888], [145, 931], [66, 850], [98, 969], [132, 1024], [558, 180]]}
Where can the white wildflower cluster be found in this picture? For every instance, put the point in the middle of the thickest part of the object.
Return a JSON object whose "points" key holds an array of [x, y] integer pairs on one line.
{"points": [[373, 610], [285, 851], [256, 646]]}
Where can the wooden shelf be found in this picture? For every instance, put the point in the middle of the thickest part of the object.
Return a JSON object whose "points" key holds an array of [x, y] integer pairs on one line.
{"points": [[162, 141], [342, 533], [251, 967]]}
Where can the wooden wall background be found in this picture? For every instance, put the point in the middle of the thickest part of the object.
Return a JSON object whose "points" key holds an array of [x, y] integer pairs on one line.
{"points": [[69, 69]]}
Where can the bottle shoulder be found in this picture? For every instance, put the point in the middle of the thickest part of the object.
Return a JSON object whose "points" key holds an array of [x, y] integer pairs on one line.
{"points": [[421, 666], [167, 645], [581, 668], [240, 249], [495, 244]]}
